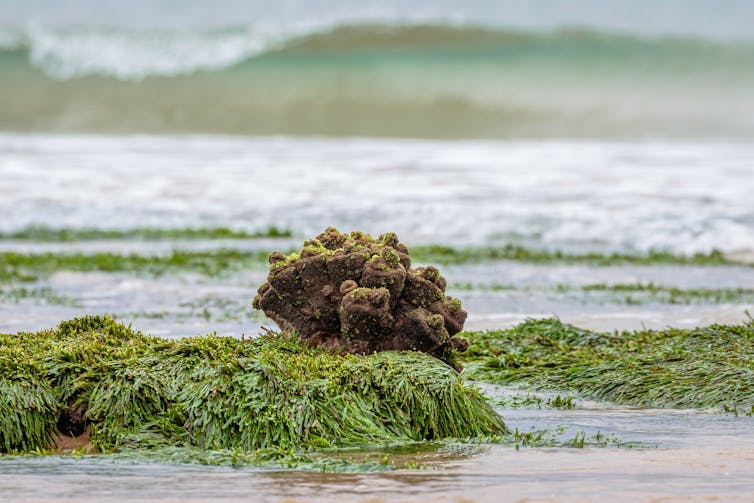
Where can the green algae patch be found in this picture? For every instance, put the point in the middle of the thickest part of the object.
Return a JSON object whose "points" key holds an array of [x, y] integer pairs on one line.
{"points": [[625, 293], [440, 254], [40, 294], [565, 437], [26, 267], [429, 253], [53, 235], [708, 367], [16, 266], [268, 398], [640, 293], [533, 401]]}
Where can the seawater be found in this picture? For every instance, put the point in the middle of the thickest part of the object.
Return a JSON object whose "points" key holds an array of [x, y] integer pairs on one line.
{"points": [[562, 195], [572, 195], [626, 196], [683, 454], [436, 79]]}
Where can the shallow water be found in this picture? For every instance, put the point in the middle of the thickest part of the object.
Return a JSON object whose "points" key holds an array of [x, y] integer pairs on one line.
{"points": [[501, 474], [189, 304], [691, 453], [683, 453], [684, 197]]}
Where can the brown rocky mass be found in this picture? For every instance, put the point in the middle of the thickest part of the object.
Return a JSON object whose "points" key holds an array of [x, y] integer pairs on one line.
{"points": [[357, 294]]}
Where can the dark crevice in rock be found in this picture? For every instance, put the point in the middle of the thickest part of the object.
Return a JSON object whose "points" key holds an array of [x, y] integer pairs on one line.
{"points": [[72, 421]]}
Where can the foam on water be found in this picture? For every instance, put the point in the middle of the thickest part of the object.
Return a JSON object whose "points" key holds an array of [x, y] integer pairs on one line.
{"points": [[569, 195], [135, 54]]}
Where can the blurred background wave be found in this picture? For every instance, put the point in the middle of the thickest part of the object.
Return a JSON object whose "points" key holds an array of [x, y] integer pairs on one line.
{"points": [[478, 69]]}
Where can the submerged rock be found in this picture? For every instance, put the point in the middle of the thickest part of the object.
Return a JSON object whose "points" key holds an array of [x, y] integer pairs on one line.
{"points": [[360, 295]]}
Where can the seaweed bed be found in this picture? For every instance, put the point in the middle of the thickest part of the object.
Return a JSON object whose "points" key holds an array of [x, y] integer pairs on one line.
{"points": [[53, 235], [273, 401], [263, 397], [428, 253], [706, 367]]}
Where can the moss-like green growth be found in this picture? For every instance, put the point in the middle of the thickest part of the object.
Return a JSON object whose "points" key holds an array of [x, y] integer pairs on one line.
{"points": [[215, 393], [638, 293], [533, 401], [49, 234], [700, 368], [28, 405], [626, 293], [32, 267], [439, 254], [41, 294]]}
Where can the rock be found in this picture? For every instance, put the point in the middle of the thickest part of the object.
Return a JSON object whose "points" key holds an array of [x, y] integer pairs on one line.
{"points": [[357, 294]]}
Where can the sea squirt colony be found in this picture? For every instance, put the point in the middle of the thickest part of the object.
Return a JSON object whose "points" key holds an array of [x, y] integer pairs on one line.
{"points": [[360, 295]]}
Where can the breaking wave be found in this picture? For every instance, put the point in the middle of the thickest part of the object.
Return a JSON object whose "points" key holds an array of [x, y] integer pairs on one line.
{"points": [[377, 80]]}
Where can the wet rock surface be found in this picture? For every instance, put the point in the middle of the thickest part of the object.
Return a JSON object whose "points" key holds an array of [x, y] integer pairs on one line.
{"points": [[357, 294]]}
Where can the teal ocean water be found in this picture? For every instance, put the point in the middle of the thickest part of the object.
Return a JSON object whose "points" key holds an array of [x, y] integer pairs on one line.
{"points": [[420, 80]]}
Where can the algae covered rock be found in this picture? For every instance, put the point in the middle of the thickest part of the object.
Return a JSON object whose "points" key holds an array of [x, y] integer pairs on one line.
{"points": [[204, 395], [360, 295]]}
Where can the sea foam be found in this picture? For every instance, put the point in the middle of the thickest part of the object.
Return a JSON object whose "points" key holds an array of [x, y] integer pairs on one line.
{"points": [[602, 196]]}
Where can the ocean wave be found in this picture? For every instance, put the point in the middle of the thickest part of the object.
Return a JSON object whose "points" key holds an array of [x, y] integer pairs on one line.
{"points": [[134, 54], [129, 54], [427, 81]]}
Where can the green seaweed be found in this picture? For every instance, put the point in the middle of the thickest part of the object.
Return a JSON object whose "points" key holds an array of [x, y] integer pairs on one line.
{"points": [[631, 293], [32, 267], [532, 401], [16, 266], [28, 405], [561, 437], [44, 294], [440, 254], [650, 292], [49, 234], [432, 253], [224, 395], [707, 367]]}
